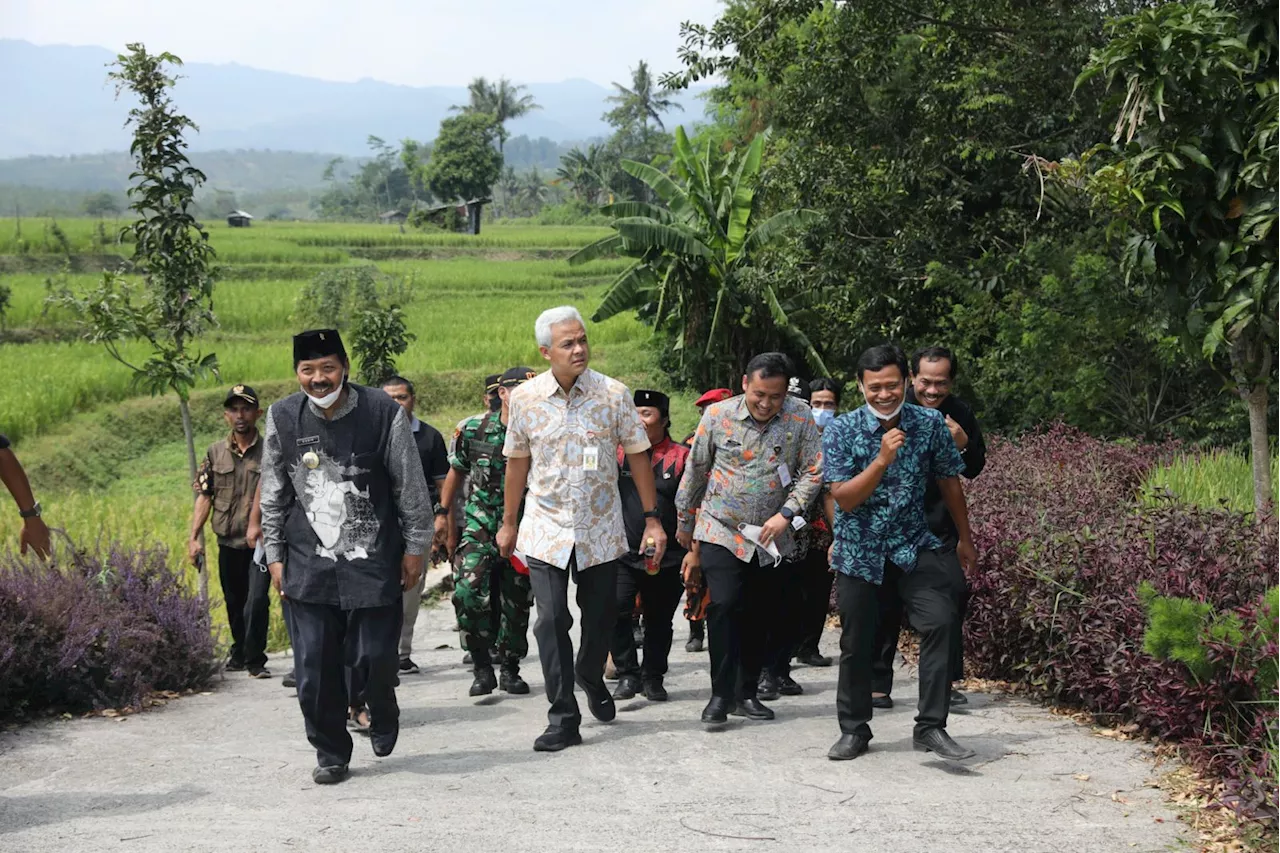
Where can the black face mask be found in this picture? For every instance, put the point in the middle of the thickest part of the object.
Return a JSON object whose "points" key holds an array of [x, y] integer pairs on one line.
{"points": [[495, 403]]}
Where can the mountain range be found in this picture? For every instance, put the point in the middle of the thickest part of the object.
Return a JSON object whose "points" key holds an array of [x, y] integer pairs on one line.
{"points": [[58, 102]]}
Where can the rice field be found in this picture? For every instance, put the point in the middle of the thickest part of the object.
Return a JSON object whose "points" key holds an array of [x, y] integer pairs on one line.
{"points": [[109, 464]]}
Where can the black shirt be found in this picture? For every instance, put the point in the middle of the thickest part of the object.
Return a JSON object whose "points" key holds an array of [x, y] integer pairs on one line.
{"points": [[975, 458], [668, 467], [434, 456]]}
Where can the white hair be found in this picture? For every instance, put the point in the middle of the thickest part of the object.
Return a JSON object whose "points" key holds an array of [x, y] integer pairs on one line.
{"points": [[554, 317]]}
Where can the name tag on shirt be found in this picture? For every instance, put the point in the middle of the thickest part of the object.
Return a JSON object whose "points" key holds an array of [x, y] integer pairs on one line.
{"points": [[590, 459], [784, 475]]}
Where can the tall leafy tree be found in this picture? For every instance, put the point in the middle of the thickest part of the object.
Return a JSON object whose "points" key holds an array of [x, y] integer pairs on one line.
{"points": [[503, 100], [1191, 176], [174, 304], [464, 162], [693, 255]]}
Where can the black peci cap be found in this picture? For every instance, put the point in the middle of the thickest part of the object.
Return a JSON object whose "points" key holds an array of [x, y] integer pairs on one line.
{"points": [[517, 376], [243, 393], [317, 343], [654, 399]]}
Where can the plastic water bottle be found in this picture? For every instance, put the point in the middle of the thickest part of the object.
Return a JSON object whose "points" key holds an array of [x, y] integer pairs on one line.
{"points": [[651, 566]]}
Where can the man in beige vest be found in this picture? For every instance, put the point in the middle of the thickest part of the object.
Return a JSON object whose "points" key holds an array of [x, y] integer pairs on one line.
{"points": [[225, 487]]}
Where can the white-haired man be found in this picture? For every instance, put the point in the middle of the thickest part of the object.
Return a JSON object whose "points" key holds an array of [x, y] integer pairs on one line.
{"points": [[563, 430]]}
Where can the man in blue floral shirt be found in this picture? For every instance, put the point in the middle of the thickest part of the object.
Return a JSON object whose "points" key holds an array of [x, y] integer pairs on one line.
{"points": [[878, 460]]}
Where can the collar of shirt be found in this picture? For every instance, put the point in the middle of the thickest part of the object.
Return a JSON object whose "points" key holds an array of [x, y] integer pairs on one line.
{"points": [[414, 423], [342, 411], [744, 414], [581, 386], [235, 448]]}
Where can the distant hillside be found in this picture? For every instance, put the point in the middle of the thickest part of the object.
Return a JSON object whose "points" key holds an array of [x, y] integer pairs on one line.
{"points": [[56, 101]]}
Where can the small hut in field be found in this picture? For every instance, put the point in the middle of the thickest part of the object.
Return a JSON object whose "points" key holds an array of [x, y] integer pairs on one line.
{"points": [[239, 219]]}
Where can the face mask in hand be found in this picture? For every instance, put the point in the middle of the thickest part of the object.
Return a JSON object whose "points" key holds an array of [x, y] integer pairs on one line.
{"points": [[823, 417]]}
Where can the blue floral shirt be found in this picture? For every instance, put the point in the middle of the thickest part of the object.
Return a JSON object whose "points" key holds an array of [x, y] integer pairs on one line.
{"points": [[891, 524]]}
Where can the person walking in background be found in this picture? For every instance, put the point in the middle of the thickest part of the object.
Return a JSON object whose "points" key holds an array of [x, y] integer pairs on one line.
{"points": [[878, 461], [225, 485], [35, 533], [346, 520], [933, 372], [435, 466], [658, 583], [696, 595], [562, 437], [814, 569], [760, 452], [481, 572]]}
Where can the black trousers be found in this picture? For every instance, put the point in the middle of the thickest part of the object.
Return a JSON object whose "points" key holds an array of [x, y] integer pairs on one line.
{"points": [[743, 599], [597, 601], [889, 625], [339, 657], [815, 580], [244, 589], [927, 593], [659, 598]]}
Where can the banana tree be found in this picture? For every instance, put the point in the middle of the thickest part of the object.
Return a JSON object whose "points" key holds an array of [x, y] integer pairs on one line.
{"points": [[692, 251]]}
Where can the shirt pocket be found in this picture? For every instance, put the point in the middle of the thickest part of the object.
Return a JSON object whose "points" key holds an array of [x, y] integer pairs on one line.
{"points": [[224, 485]]}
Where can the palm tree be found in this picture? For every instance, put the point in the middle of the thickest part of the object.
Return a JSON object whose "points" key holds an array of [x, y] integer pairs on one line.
{"points": [[502, 100], [533, 192], [692, 255], [590, 172], [640, 103]]}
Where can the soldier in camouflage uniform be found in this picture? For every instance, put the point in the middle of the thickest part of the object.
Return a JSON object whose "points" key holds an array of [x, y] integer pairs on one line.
{"points": [[480, 572]]}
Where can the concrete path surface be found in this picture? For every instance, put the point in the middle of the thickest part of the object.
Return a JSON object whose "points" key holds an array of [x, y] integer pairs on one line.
{"points": [[231, 771]]}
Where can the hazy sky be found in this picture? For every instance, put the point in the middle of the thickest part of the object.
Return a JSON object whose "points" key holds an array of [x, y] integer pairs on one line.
{"points": [[415, 42]]}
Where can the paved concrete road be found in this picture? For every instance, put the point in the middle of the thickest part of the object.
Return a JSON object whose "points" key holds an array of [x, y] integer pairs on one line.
{"points": [[231, 771]]}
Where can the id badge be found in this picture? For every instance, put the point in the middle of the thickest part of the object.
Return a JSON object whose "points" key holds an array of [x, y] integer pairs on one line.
{"points": [[784, 475], [590, 459]]}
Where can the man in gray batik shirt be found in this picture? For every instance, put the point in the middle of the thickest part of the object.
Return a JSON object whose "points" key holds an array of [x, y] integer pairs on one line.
{"points": [[346, 518]]}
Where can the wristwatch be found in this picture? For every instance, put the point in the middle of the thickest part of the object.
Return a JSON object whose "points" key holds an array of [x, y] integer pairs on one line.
{"points": [[787, 512], [34, 512], [653, 513], [440, 509]]}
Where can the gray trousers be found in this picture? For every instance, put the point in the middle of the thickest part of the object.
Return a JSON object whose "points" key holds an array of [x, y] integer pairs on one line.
{"points": [[412, 604], [597, 602]]}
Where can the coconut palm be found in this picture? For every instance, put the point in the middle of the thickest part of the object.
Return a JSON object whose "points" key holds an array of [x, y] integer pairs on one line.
{"points": [[692, 254], [642, 102], [502, 100]]}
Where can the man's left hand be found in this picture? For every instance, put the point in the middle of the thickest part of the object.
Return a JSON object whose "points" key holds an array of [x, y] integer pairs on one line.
{"points": [[967, 554], [653, 530], [410, 570], [773, 528], [958, 435]]}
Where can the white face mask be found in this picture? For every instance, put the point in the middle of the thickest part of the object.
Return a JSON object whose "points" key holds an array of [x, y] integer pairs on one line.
{"points": [[823, 417], [328, 399], [881, 416]]}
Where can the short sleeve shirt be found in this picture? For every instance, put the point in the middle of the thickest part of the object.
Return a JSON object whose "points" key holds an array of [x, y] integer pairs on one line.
{"points": [[572, 506], [890, 525]]}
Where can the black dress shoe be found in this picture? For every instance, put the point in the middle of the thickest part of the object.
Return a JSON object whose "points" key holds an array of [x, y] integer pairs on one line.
{"points": [[556, 738], [654, 691], [884, 703], [958, 698], [752, 709], [289, 680], [813, 659], [599, 702], [848, 747], [466, 659], [940, 743], [510, 681], [329, 775], [717, 711], [693, 644], [767, 688], [485, 681], [628, 687], [787, 686], [384, 742]]}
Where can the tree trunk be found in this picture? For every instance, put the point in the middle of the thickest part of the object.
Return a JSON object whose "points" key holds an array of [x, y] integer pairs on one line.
{"points": [[1252, 365], [189, 434]]}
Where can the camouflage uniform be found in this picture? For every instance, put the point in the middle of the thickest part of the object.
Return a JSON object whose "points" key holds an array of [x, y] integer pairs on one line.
{"points": [[477, 452]]}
